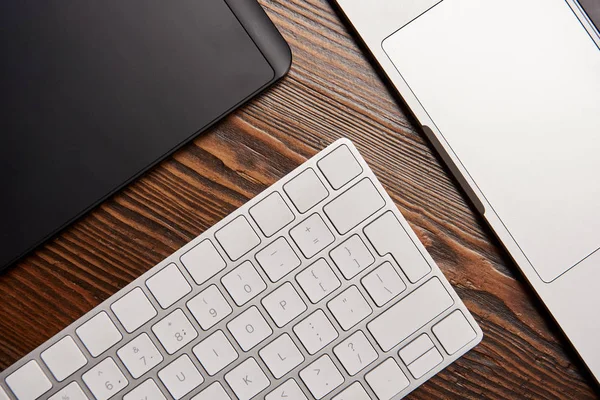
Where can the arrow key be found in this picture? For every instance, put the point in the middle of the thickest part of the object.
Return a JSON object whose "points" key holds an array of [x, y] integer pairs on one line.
{"points": [[288, 391], [321, 377]]}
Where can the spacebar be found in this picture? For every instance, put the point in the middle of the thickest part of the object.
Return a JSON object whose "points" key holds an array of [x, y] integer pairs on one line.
{"points": [[410, 314]]}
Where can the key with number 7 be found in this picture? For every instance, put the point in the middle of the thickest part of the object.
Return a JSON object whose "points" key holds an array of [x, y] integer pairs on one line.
{"points": [[140, 355]]}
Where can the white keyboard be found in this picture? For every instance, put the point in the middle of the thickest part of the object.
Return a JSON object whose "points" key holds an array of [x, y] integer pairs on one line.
{"points": [[316, 289]]}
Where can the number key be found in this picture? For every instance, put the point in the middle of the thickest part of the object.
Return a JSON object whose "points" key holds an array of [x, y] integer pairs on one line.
{"points": [[209, 307], [140, 355], [174, 331], [105, 380], [243, 283]]}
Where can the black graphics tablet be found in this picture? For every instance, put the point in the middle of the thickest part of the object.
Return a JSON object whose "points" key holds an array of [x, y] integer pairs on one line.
{"points": [[96, 92]]}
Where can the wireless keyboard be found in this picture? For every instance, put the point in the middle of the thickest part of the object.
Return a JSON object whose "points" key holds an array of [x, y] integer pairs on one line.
{"points": [[316, 289]]}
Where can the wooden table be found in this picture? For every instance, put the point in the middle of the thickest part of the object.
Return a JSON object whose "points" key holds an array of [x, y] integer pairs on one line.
{"points": [[331, 91]]}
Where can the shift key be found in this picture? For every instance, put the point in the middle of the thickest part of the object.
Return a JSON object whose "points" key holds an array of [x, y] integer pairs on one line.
{"points": [[387, 235], [410, 314]]}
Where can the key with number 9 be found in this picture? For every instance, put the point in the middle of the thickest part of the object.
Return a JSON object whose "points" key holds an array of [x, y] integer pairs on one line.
{"points": [[209, 307]]}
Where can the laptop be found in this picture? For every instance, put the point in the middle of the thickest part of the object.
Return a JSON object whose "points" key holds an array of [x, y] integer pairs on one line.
{"points": [[95, 93], [508, 92]]}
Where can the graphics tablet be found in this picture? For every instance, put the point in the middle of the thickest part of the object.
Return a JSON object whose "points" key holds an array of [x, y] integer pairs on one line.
{"points": [[95, 93]]}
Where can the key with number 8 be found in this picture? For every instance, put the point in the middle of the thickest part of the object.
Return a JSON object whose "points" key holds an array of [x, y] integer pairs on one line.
{"points": [[174, 331]]}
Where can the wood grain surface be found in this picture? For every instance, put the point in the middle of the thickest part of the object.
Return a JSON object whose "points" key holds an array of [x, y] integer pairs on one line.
{"points": [[331, 91]]}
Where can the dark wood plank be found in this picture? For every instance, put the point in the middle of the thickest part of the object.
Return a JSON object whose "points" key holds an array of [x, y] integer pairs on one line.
{"points": [[331, 92]]}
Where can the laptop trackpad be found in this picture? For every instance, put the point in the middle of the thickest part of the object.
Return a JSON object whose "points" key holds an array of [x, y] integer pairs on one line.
{"points": [[516, 93]]}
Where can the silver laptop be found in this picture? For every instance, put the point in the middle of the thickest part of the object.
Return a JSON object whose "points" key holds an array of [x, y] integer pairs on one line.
{"points": [[508, 91]]}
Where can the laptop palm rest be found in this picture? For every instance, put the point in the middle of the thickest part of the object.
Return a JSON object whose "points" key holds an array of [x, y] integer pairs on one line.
{"points": [[517, 98]]}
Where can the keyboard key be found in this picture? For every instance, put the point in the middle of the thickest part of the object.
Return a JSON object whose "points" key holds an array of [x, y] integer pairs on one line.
{"points": [[315, 332], [416, 349], [209, 307], [3, 395], [349, 308], [284, 304], [454, 332], [354, 206], [425, 363], [271, 214], [383, 284], [70, 392], [29, 382], [203, 262], [318, 281], [288, 391], [215, 353], [321, 377], [353, 392], [355, 353], [180, 377], [105, 380], [339, 167], [174, 331], [278, 259], [249, 328], [63, 358], [168, 286], [140, 355], [237, 238], [387, 380], [306, 190], [146, 391], [312, 235], [243, 283], [281, 356], [410, 314], [98, 334], [133, 310], [352, 257], [387, 235], [213, 392], [247, 379]]}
